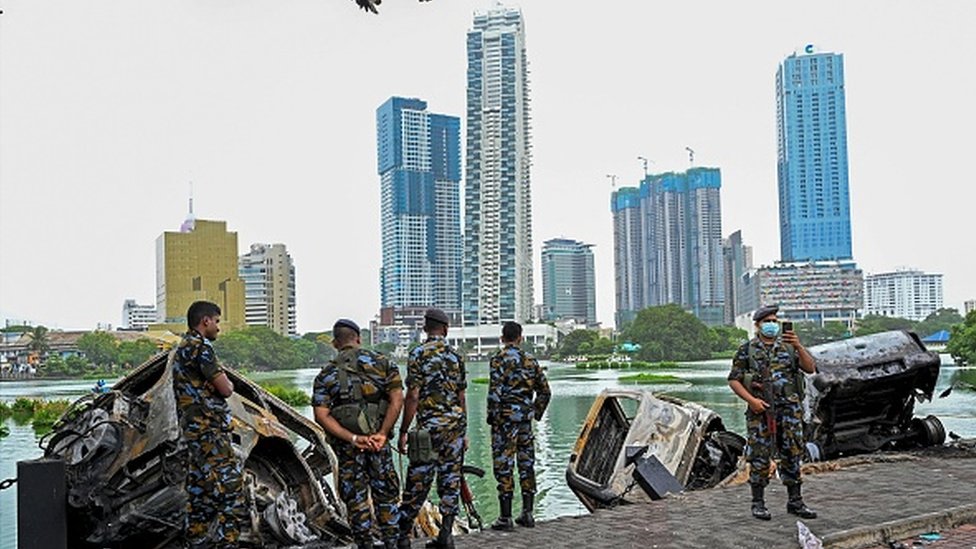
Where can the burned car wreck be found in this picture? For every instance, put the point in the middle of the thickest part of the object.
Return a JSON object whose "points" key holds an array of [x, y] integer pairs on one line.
{"points": [[862, 399], [863, 396], [123, 458], [661, 443]]}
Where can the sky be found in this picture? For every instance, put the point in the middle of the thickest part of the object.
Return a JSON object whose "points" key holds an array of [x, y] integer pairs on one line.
{"points": [[109, 108]]}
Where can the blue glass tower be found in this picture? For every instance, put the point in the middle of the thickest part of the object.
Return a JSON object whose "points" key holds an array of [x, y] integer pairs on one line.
{"points": [[498, 211], [419, 163], [814, 202]]}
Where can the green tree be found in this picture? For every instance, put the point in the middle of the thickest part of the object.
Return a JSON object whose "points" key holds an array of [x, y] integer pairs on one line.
{"points": [[668, 332], [134, 353], [811, 333], [874, 324], [727, 338], [101, 348], [962, 341], [943, 319], [570, 344], [39, 340], [76, 365], [324, 351], [262, 348], [602, 346]]}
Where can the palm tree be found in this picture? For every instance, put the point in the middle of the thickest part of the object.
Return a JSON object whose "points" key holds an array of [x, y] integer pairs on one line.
{"points": [[39, 341]]}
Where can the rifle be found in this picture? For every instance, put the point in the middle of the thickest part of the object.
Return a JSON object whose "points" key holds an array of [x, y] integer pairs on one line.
{"points": [[474, 519]]}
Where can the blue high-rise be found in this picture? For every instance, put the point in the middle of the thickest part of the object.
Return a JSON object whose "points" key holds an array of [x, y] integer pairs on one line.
{"points": [[498, 210], [814, 202], [419, 163]]}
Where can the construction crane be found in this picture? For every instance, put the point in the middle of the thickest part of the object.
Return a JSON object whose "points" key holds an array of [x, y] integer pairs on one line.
{"points": [[691, 156], [613, 180], [644, 161], [370, 5]]}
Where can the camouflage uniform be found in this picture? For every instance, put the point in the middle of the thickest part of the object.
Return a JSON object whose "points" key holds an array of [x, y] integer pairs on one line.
{"points": [[364, 473], [518, 391], [438, 371], [214, 484], [778, 361]]}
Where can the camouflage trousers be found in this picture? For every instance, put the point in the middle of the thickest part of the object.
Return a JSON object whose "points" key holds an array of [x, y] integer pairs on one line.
{"points": [[449, 444], [365, 475], [511, 441], [214, 488], [787, 442]]}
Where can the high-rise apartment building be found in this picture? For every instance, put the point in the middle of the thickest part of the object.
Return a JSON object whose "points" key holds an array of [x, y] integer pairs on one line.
{"points": [[737, 260], [269, 288], [419, 163], [906, 293], [136, 317], [198, 263], [814, 203], [808, 291], [497, 267], [568, 287], [968, 306], [668, 244]]}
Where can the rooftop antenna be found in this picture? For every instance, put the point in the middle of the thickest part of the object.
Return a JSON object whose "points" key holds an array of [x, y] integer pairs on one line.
{"points": [[691, 156], [191, 198], [613, 180]]}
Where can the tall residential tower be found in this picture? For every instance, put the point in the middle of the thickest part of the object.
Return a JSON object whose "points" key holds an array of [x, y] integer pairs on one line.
{"points": [[814, 203], [497, 281], [269, 288], [568, 288], [419, 163]]}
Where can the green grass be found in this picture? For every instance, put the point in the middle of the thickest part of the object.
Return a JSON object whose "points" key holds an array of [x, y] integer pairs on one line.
{"points": [[723, 354], [632, 365], [480, 380], [646, 378], [290, 395]]}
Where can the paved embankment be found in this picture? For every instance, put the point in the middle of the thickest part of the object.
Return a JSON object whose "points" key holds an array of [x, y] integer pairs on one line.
{"points": [[862, 501]]}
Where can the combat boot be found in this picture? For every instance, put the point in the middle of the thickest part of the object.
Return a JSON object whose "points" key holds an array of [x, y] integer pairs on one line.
{"points": [[795, 505], [758, 503], [445, 537], [526, 519], [504, 521], [403, 542]]}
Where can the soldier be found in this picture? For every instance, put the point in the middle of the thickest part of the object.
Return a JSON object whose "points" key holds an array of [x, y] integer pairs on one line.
{"points": [[767, 374], [357, 398], [517, 392], [214, 485], [435, 394]]}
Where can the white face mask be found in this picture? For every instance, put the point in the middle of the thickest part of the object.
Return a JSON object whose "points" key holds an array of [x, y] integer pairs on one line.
{"points": [[769, 329]]}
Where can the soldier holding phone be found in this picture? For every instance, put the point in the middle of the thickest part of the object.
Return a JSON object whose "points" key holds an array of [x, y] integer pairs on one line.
{"points": [[767, 373]]}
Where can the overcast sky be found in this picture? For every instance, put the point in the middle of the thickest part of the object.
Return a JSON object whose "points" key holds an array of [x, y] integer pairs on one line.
{"points": [[109, 108]]}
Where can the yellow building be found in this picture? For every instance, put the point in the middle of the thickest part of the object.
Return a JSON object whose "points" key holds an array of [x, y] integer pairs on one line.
{"points": [[198, 263]]}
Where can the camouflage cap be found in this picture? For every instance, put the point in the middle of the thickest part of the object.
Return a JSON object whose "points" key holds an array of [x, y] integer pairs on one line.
{"points": [[764, 311], [437, 315], [346, 323]]}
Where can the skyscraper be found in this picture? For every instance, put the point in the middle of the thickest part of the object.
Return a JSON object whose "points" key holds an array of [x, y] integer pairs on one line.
{"points": [[269, 288], [737, 259], [668, 244], [419, 163], [568, 288], [497, 281], [814, 203], [198, 263]]}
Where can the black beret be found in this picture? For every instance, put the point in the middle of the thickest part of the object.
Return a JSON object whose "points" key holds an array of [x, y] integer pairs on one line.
{"points": [[437, 315], [346, 323], [763, 312]]}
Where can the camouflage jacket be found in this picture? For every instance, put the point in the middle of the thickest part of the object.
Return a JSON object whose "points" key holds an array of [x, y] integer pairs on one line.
{"points": [[774, 364], [377, 377], [437, 370], [194, 366], [518, 389]]}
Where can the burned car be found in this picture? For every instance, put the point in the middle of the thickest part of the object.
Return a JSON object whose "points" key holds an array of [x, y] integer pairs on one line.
{"points": [[662, 444], [125, 472], [862, 398]]}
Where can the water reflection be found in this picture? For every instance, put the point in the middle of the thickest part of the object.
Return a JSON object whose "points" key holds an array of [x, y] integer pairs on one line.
{"points": [[573, 392]]}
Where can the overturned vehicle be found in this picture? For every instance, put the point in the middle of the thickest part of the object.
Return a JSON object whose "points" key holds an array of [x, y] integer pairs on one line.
{"points": [[125, 471], [863, 396], [660, 444]]}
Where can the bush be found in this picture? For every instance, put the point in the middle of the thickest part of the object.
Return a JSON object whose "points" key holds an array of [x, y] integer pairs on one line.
{"points": [[645, 378], [290, 395]]}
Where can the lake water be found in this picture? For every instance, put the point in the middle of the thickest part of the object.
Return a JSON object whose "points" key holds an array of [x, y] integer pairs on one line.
{"points": [[573, 392]]}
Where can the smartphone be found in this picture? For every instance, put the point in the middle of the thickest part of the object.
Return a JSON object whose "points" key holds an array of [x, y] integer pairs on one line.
{"points": [[787, 326]]}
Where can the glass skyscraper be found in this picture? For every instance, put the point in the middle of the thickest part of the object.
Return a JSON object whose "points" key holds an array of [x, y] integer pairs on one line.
{"points": [[419, 163], [498, 211], [814, 203], [568, 287]]}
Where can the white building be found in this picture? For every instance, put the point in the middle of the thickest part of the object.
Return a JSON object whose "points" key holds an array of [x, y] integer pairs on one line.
{"points": [[906, 293], [269, 288], [969, 306], [136, 317]]}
